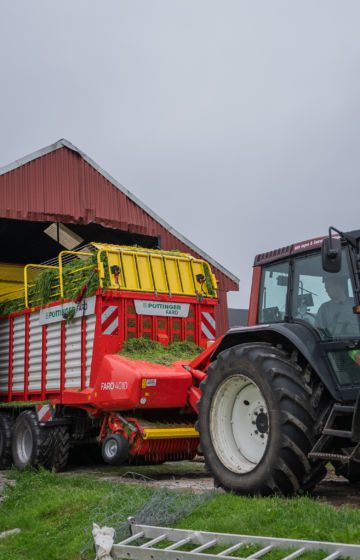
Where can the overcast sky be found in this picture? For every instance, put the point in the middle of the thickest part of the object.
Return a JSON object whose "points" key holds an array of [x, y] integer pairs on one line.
{"points": [[238, 122]]}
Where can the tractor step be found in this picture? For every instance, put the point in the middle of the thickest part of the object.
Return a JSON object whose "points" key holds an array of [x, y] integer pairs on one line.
{"points": [[337, 433], [144, 540], [320, 449], [329, 456]]}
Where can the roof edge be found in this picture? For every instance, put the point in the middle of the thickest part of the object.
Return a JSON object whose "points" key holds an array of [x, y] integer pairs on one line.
{"points": [[63, 143]]}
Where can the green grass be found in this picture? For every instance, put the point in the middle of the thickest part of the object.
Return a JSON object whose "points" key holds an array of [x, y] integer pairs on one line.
{"points": [[55, 515], [297, 518], [151, 351]]}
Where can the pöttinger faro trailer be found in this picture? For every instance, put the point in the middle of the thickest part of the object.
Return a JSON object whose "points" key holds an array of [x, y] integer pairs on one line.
{"points": [[62, 380]]}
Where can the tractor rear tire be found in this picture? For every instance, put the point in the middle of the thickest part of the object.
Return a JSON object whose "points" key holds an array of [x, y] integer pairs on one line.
{"points": [[256, 422], [6, 429], [29, 441]]}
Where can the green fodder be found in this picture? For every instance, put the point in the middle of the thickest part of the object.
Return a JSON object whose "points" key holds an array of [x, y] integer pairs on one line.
{"points": [[208, 280], [151, 351], [46, 287], [12, 305]]}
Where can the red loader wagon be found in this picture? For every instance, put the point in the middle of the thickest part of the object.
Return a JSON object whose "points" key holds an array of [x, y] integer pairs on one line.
{"points": [[62, 380]]}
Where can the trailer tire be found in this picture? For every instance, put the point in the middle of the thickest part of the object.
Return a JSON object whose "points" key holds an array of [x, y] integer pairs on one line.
{"points": [[260, 390], [60, 448], [115, 449], [28, 442], [6, 429]]}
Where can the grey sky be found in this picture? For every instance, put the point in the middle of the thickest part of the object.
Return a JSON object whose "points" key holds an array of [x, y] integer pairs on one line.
{"points": [[236, 121]]}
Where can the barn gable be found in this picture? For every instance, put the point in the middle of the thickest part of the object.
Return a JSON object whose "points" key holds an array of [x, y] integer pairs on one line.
{"points": [[61, 184]]}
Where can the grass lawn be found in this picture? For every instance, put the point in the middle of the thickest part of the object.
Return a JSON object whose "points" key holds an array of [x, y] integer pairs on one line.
{"points": [[297, 518], [55, 514]]}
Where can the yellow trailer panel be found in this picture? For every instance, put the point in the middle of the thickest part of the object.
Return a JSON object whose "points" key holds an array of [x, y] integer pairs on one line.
{"points": [[151, 270]]}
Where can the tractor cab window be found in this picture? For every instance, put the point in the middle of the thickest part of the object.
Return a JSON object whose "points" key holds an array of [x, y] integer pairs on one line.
{"points": [[324, 300], [273, 296]]}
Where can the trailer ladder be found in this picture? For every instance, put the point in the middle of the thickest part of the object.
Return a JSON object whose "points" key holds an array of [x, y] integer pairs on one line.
{"points": [[143, 542]]}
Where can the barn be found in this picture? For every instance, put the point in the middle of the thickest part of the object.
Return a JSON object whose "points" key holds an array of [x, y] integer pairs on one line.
{"points": [[58, 197]]}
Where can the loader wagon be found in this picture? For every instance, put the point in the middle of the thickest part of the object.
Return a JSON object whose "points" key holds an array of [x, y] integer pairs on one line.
{"points": [[62, 380]]}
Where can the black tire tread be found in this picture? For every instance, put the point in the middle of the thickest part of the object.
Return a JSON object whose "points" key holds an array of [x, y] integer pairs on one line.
{"points": [[291, 471], [30, 417], [61, 449], [6, 428]]}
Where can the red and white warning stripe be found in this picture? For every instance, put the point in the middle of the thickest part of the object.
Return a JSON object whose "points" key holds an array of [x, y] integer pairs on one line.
{"points": [[44, 412], [110, 319], [208, 325]]}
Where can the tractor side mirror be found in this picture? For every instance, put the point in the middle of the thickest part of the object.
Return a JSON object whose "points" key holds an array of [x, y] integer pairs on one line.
{"points": [[331, 254]]}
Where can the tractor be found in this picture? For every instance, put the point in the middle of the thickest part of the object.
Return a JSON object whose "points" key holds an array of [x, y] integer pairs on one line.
{"points": [[280, 399]]}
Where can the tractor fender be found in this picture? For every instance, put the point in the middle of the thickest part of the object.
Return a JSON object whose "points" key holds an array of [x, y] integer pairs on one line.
{"points": [[291, 336]]}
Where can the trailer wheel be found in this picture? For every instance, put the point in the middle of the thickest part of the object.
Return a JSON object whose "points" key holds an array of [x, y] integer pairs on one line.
{"points": [[28, 441], [115, 449], [6, 428], [256, 422], [60, 448]]}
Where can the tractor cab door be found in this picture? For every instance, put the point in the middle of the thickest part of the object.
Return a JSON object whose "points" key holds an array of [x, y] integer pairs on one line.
{"points": [[298, 290], [325, 301]]}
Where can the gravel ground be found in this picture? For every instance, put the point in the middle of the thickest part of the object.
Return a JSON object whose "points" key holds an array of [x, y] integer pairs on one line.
{"points": [[334, 490]]}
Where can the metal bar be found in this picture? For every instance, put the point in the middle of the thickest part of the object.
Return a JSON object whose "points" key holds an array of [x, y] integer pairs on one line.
{"points": [[295, 554], [337, 433], [204, 546], [170, 433], [43, 361], [231, 549], [26, 356], [260, 553], [202, 537], [101, 268], [132, 538], [332, 556], [83, 352], [62, 357], [11, 357], [178, 544], [26, 279], [156, 540]]}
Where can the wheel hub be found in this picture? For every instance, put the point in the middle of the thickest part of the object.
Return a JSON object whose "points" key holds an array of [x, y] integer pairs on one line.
{"points": [[262, 423], [111, 448], [239, 424]]}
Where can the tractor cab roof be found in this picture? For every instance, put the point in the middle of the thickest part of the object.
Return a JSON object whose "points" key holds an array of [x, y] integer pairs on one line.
{"points": [[301, 247]]}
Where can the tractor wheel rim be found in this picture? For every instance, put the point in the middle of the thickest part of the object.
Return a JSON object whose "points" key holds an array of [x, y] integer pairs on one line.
{"points": [[25, 445], [111, 448], [239, 424]]}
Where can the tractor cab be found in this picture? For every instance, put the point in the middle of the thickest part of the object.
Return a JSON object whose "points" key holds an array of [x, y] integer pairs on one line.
{"points": [[316, 285]]}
